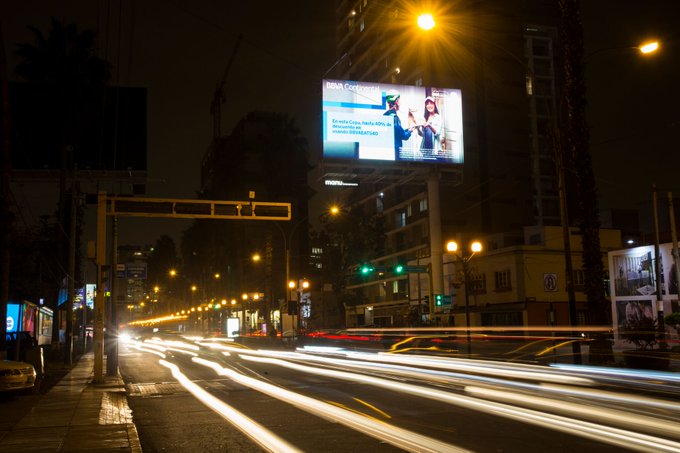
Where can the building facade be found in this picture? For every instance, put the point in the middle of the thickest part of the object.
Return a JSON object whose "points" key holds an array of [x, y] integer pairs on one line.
{"points": [[502, 56], [519, 285]]}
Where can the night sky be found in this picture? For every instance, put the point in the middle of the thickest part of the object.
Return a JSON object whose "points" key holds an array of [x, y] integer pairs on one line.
{"points": [[178, 50]]}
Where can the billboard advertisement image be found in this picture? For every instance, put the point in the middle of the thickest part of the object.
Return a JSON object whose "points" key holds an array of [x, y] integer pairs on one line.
{"points": [[379, 121]]}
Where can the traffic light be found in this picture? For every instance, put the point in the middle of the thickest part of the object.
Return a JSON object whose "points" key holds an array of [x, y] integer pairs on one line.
{"points": [[399, 269], [366, 269], [438, 300]]}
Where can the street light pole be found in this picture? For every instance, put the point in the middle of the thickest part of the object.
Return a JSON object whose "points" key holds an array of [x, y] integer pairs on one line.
{"points": [[475, 247], [287, 239]]}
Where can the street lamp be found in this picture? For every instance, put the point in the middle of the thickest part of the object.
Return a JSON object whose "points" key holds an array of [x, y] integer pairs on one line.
{"points": [[244, 298], [475, 247], [426, 21], [649, 47], [303, 285]]}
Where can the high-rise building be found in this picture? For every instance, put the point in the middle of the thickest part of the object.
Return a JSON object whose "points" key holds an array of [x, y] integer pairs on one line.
{"points": [[502, 56]]}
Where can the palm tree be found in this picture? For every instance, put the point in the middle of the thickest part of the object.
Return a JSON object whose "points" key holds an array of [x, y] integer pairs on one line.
{"points": [[74, 79], [578, 151]]}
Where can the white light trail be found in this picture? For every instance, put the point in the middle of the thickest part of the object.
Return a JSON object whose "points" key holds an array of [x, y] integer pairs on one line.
{"points": [[604, 371], [258, 433], [635, 421], [625, 398], [396, 436], [598, 432]]}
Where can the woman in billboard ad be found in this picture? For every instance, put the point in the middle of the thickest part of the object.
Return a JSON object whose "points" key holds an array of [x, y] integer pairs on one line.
{"points": [[431, 130]]}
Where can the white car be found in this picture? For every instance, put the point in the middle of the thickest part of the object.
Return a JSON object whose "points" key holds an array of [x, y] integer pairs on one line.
{"points": [[16, 375]]}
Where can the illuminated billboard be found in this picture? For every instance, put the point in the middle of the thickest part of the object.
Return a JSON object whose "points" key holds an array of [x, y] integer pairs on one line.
{"points": [[379, 121]]}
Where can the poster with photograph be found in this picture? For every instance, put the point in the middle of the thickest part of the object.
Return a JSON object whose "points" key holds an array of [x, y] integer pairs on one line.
{"points": [[379, 121], [634, 313]]}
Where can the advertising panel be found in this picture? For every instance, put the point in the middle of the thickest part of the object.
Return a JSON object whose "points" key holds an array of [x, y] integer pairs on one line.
{"points": [[379, 121], [13, 317], [90, 290], [233, 327]]}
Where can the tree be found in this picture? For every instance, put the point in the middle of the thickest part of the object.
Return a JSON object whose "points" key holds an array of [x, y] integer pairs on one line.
{"points": [[65, 61], [347, 240], [163, 258], [578, 153], [266, 155]]}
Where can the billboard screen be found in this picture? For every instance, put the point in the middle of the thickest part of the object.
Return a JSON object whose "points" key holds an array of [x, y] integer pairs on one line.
{"points": [[379, 121]]}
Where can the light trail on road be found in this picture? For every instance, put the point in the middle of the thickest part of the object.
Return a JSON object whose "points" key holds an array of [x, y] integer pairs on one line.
{"points": [[569, 399]]}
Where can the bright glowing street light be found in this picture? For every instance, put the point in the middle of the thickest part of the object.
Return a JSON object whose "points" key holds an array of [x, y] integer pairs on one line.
{"points": [[475, 247], [426, 21], [649, 47]]}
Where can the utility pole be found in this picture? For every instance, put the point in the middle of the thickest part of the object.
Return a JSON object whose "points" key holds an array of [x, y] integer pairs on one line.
{"points": [[6, 217]]}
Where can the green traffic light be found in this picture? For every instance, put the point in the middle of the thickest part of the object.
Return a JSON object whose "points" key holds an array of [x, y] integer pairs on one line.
{"points": [[438, 299], [398, 269], [366, 269]]}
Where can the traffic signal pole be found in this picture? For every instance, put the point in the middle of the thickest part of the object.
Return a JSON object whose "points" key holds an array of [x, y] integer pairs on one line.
{"points": [[435, 268]]}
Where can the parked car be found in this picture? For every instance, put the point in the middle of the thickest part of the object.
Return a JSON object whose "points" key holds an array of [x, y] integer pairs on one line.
{"points": [[16, 376]]}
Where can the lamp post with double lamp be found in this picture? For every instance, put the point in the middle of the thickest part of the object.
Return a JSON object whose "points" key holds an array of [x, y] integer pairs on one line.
{"points": [[453, 249], [299, 288]]}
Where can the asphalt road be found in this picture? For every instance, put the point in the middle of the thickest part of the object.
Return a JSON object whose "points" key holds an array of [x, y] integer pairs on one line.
{"points": [[205, 396]]}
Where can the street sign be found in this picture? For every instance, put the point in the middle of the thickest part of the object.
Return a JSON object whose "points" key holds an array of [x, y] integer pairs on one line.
{"points": [[550, 283]]}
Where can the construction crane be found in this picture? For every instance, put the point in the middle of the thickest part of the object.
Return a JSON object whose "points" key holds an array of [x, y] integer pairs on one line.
{"points": [[218, 97]]}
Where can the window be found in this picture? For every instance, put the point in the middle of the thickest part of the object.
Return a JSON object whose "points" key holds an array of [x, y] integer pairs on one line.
{"points": [[578, 277], [423, 205], [477, 283], [502, 280], [400, 219], [362, 26], [409, 211], [395, 286]]}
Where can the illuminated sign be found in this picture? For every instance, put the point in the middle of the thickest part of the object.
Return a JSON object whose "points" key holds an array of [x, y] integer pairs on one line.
{"points": [[90, 291], [338, 182], [13, 320], [378, 121], [233, 327]]}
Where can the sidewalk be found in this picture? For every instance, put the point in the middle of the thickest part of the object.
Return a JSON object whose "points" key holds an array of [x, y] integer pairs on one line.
{"points": [[76, 415]]}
